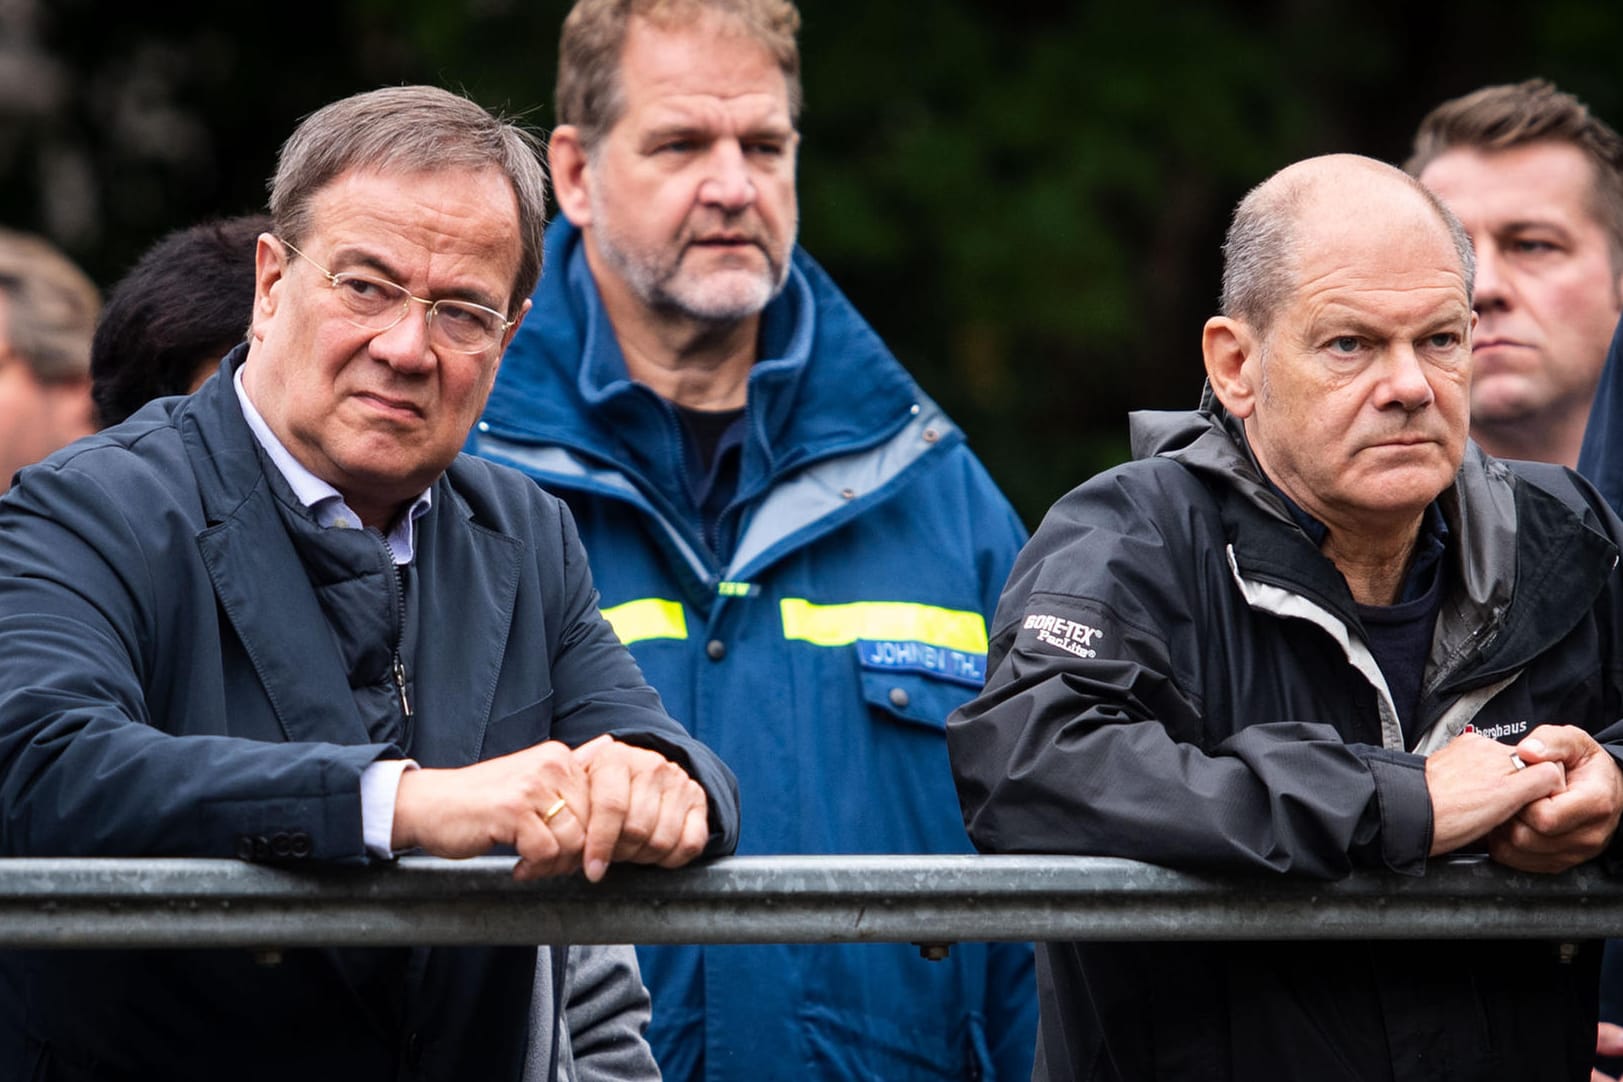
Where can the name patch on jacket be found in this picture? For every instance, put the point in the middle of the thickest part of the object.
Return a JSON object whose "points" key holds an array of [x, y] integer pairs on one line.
{"points": [[894, 655], [1072, 636]]}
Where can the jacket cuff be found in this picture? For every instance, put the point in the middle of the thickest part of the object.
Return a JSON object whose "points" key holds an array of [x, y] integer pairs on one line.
{"points": [[1404, 805], [1611, 858], [714, 777]]}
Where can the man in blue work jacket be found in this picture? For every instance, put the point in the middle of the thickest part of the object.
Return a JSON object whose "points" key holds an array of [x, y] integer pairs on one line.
{"points": [[795, 542]]}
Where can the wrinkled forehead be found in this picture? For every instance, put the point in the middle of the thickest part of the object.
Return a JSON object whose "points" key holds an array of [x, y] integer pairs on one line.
{"points": [[712, 59], [459, 226], [1380, 244], [1545, 177], [1377, 299]]}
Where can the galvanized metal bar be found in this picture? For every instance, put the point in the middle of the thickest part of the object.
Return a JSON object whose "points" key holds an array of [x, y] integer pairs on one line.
{"points": [[83, 903]]}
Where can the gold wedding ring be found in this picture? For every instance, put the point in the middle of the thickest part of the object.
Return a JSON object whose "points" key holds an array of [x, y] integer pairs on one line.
{"points": [[557, 806]]}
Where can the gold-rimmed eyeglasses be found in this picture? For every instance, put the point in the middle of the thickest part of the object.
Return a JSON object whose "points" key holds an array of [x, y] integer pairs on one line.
{"points": [[376, 304]]}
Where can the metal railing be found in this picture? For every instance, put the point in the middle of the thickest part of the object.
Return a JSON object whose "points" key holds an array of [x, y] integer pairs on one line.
{"points": [[933, 901]]}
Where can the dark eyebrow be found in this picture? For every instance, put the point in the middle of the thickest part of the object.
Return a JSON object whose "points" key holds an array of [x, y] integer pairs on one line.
{"points": [[701, 133], [1446, 323], [1523, 225], [1358, 326], [681, 130], [362, 259]]}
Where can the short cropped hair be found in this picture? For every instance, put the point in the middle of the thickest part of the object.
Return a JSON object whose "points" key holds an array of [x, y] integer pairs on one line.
{"points": [[187, 301], [589, 94], [405, 129], [50, 307], [1513, 115], [1261, 249]]}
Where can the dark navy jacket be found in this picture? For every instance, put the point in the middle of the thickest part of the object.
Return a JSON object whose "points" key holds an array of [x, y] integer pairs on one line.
{"points": [[1179, 676], [819, 652], [1601, 458], [170, 685]]}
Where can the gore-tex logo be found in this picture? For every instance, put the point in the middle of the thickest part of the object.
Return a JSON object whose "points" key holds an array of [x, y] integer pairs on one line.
{"points": [[1068, 635]]}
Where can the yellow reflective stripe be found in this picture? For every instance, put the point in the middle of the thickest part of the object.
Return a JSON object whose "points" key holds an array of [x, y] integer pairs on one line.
{"points": [[647, 618], [904, 621]]}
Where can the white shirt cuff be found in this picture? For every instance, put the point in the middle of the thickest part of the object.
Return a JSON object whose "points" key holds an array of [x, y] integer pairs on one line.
{"points": [[380, 782]]}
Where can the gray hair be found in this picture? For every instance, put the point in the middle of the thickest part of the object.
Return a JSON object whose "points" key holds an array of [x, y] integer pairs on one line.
{"points": [[411, 129], [1261, 250], [51, 307], [1260, 254]]}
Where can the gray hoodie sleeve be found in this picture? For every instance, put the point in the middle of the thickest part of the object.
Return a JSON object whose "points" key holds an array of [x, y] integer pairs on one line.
{"points": [[606, 1010]]}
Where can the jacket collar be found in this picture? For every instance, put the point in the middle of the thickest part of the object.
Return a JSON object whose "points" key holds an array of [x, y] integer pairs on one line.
{"points": [[1500, 527], [468, 578], [244, 546], [826, 384]]}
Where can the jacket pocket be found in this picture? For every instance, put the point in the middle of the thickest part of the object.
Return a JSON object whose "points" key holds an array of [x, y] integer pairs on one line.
{"points": [[913, 698], [518, 730]]}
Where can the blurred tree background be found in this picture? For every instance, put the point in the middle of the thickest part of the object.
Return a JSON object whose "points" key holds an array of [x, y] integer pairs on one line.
{"points": [[1026, 198]]}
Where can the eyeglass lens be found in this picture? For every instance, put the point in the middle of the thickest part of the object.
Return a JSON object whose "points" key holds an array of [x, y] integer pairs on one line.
{"points": [[377, 305]]}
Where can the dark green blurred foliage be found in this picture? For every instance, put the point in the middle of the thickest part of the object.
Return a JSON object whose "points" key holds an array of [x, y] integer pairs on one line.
{"points": [[1026, 198]]}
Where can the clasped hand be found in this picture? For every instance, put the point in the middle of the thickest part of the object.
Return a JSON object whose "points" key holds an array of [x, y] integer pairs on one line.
{"points": [[1559, 811], [563, 809]]}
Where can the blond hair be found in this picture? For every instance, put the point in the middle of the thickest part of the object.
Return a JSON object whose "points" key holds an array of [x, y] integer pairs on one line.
{"points": [[51, 307]]}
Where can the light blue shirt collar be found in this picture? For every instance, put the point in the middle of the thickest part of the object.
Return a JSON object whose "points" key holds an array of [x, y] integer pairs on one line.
{"points": [[325, 502]]}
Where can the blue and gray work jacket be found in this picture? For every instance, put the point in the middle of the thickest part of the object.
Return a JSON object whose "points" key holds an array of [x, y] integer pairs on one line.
{"points": [[816, 634]]}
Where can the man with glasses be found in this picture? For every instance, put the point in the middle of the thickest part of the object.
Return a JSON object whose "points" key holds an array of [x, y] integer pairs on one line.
{"points": [[283, 620]]}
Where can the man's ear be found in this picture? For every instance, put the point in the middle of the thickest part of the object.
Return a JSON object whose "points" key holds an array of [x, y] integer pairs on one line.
{"points": [[518, 321], [507, 340], [571, 180], [1233, 364], [72, 409], [270, 270]]}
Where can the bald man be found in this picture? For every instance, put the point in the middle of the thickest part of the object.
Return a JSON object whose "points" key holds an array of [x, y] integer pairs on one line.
{"points": [[1311, 628]]}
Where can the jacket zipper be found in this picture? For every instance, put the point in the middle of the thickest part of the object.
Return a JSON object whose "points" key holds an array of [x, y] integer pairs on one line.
{"points": [[400, 686], [399, 667]]}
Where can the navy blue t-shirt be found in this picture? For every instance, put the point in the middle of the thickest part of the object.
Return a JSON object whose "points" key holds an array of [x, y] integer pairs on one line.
{"points": [[1399, 635]]}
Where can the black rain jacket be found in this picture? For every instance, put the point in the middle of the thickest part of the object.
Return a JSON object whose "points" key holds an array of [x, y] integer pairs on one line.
{"points": [[1177, 675]]}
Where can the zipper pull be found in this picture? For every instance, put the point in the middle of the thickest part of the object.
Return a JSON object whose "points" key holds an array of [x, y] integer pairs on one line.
{"points": [[400, 686]]}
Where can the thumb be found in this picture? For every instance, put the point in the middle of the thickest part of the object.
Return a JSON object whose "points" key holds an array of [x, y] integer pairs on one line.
{"points": [[1536, 781], [1560, 752]]}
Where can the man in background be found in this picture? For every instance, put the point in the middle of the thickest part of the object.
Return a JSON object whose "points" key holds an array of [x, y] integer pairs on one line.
{"points": [[182, 307], [47, 314], [796, 543], [1538, 182]]}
